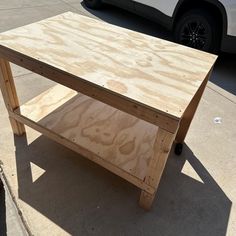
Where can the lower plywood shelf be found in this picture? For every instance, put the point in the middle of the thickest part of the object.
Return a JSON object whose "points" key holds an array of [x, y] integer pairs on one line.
{"points": [[114, 139]]}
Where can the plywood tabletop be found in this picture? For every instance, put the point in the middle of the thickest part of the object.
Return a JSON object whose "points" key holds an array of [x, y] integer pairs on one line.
{"points": [[148, 71]]}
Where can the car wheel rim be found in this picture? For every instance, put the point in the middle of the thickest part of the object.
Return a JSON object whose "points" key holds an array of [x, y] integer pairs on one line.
{"points": [[194, 34]]}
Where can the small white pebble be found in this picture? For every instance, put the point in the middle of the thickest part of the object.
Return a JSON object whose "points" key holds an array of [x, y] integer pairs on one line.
{"points": [[217, 120]]}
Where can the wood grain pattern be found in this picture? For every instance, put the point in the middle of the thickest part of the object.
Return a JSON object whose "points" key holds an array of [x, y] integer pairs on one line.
{"points": [[190, 111], [82, 151], [117, 137], [161, 149], [148, 71], [8, 89], [160, 119]]}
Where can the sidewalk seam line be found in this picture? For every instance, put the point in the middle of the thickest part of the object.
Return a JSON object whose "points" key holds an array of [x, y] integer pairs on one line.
{"points": [[221, 95]]}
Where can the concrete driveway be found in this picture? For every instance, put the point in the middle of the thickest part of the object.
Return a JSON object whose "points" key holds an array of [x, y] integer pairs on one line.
{"points": [[60, 193]]}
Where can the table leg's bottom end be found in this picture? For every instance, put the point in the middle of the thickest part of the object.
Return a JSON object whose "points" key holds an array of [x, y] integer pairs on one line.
{"points": [[146, 200], [178, 148], [17, 127]]}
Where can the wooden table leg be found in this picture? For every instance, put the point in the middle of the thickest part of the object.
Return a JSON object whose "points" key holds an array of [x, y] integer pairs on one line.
{"points": [[157, 163], [190, 111], [9, 95]]}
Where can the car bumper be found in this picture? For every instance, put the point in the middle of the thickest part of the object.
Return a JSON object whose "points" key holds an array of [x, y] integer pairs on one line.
{"points": [[228, 44]]}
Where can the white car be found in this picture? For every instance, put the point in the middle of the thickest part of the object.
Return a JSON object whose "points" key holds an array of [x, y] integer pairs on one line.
{"points": [[208, 25]]}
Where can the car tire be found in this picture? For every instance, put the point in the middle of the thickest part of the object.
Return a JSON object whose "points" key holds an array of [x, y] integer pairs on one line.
{"points": [[198, 29], [93, 4]]}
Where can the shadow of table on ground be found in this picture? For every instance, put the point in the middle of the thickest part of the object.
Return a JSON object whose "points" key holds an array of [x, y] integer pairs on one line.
{"points": [[83, 198], [126, 19], [3, 227]]}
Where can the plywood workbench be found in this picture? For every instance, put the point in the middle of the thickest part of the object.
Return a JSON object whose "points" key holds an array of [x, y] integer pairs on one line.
{"points": [[122, 97]]}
